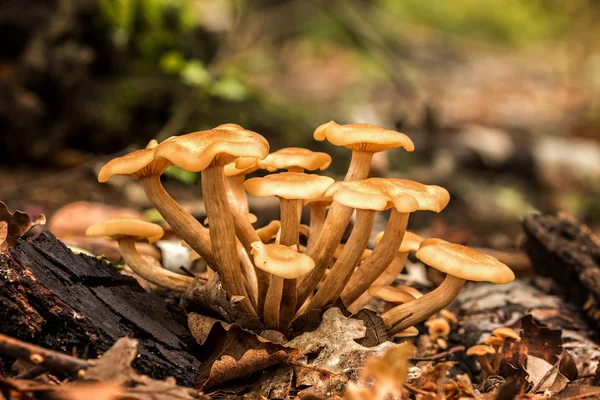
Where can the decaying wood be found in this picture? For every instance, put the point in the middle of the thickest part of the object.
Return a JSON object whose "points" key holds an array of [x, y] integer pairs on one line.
{"points": [[78, 304], [569, 253]]}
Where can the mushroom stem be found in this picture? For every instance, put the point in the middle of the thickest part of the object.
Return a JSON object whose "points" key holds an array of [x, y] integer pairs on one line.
{"points": [[190, 230], [333, 228], [273, 302], [249, 275], [222, 233], [385, 279], [485, 364], [159, 276], [318, 211], [236, 192], [344, 266], [405, 315], [290, 227], [247, 235], [381, 257]]}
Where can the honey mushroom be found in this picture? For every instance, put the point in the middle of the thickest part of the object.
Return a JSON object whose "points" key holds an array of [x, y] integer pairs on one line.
{"points": [[366, 196], [364, 140], [283, 264], [129, 230], [140, 165], [460, 264], [235, 178], [482, 351], [391, 294], [410, 244], [429, 197], [289, 187], [208, 152]]}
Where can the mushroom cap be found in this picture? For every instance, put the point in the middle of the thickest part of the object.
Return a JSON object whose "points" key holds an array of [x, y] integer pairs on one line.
{"points": [[506, 332], [410, 290], [410, 242], [126, 227], [289, 185], [463, 262], [362, 137], [283, 261], [480, 350], [494, 340], [449, 316], [390, 294], [218, 146], [269, 231], [371, 194], [438, 327], [408, 332], [137, 164], [295, 157], [251, 165], [430, 197]]}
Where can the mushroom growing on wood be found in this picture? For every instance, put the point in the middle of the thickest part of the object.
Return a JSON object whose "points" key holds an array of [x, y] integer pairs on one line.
{"points": [[363, 140], [209, 151], [366, 196], [460, 264], [140, 165], [283, 263], [129, 230], [289, 187]]}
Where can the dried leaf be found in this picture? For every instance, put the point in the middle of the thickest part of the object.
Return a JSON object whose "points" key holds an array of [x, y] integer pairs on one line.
{"points": [[210, 299], [234, 352], [17, 224], [579, 392], [376, 332]]}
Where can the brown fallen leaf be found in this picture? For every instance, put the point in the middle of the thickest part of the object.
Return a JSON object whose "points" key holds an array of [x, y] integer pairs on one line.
{"points": [[17, 224], [233, 352]]}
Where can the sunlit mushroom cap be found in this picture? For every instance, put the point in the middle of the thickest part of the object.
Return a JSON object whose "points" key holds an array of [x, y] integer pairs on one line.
{"points": [[494, 341], [480, 350], [283, 261], [390, 294], [410, 242], [289, 185], [408, 332], [218, 146], [362, 137], [135, 165], [371, 194], [463, 262], [438, 327], [430, 197], [126, 228], [295, 157], [269, 231], [250, 164], [506, 332]]}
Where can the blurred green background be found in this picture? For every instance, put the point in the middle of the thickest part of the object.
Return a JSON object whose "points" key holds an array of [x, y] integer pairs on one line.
{"points": [[502, 97]]}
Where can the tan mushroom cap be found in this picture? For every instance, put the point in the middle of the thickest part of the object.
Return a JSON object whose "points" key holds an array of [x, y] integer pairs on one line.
{"points": [[430, 197], [410, 290], [480, 350], [363, 137], [269, 231], [506, 332], [135, 165], [408, 332], [371, 194], [126, 228], [250, 165], [218, 146], [463, 262], [438, 327], [289, 185], [449, 316], [283, 261], [390, 294], [494, 341], [410, 242], [295, 157]]}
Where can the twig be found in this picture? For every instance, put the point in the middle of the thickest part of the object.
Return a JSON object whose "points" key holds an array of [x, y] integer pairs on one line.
{"points": [[439, 356], [583, 395], [416, 390], [48, 359], [32, 373]]}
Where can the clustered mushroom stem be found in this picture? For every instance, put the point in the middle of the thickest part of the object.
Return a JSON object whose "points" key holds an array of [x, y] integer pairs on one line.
{"points": [[273, 302], [236, 192], [344, 266], [153, 274], [318, 211], [249, 275], [247, 235], [333, 229], [222, 234], [385, 279], [179, 219], [406, 315], [290, 227], [485, 364], [381, 257]]}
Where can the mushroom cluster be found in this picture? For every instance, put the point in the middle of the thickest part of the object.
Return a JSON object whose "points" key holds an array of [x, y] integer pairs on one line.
{"points": [[267, 270]]}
